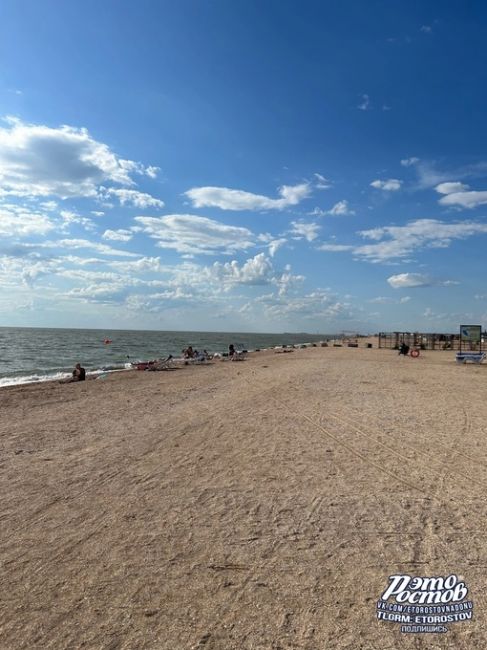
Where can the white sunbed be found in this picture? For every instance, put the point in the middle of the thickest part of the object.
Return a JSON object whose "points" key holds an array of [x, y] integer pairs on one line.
{"points": [[474, 357]]}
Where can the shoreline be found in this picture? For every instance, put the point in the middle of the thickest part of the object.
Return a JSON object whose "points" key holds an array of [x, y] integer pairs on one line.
{"points": [[18, 380]]}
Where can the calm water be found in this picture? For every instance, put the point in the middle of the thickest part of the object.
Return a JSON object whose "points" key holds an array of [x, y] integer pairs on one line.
{"points": [[34, 354]]}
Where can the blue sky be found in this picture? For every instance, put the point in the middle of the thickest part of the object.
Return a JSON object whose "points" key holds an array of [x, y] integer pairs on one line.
{"points": [[248, 166]]}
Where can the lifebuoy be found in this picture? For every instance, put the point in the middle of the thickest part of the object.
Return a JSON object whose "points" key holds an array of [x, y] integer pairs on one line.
{"points": [[414, 353], [106, 341]]}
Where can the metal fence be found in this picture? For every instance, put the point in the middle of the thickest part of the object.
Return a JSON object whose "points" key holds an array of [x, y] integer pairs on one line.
{"points": [[421, 340]]}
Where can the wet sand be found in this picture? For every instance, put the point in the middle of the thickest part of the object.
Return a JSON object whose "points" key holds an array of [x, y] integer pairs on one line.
{"points": [[258, 505]]}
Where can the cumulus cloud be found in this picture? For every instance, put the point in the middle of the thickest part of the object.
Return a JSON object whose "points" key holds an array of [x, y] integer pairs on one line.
{"points": [[275, 245], [414, 280], [341, 209], [450, 188], [69, 217], [118, 235], [152, 171], [464, 199], [228, 199], [131, 197], [187, 233], [389, 185], [303, 230], [16, 221], [409, 162], [255, 271], [37, 160], [401, 241], [320, 304], [409, 280]]}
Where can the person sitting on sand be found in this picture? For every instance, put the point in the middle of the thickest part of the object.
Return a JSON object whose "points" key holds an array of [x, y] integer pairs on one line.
{"points": [[404, 349], [231, 351], [188, 352], [79, 373]]}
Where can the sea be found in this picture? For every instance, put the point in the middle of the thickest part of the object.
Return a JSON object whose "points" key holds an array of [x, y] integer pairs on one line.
{"points": [[29, 355]]}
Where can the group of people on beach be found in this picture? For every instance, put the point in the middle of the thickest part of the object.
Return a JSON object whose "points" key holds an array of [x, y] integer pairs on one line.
{"points": [[189, 353], [79, 373]]}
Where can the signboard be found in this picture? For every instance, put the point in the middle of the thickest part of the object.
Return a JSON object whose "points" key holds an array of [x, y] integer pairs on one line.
{"points": [[470, 336], [470, 333]]}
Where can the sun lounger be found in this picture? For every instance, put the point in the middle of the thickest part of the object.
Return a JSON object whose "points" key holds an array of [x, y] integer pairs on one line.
{"points": [[474, 357], [237, 356], [157, 364]]}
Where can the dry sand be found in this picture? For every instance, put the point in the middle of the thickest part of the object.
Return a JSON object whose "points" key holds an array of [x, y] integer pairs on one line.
{"points": [[256, 505]]}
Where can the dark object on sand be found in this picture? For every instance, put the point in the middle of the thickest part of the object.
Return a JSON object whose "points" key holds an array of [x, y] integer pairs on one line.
{"points": [[404, 349]]}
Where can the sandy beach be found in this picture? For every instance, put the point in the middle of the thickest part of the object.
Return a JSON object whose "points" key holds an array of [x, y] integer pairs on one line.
{"points": [[258, 505]]}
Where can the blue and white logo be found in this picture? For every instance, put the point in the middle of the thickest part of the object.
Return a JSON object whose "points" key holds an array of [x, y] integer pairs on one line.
{"points": [[425, 604]]}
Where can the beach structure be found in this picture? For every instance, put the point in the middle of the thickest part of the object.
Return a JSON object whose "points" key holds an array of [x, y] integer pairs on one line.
{"points": [[421, 340], [472, 346]]}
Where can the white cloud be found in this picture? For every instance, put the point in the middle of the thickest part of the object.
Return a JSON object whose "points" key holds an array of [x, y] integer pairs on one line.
{"points": [[77, 244], [17, 221], [187, 233], [275, 245], [426, 29], [69, 217], [402, 241], [450, 188], [118, 235], [50, 206], [389, 185], [132, 197], [301, 229], [414, 280], [37, 160], [255, 271], [409, 162], [228, 199], [25, 270], [364, 103], [385, 300], [341, 209], [321, 182], [152, 171], [320, 304], [409, 280], [430, 176], [335, 248], [468, 199]]}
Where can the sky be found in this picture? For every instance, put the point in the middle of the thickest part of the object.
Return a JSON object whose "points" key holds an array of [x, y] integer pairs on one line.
{"points": [[231, 165]]}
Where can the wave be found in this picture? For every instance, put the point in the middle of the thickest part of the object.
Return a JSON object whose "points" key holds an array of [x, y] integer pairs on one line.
{"points": [[58, 376]]}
